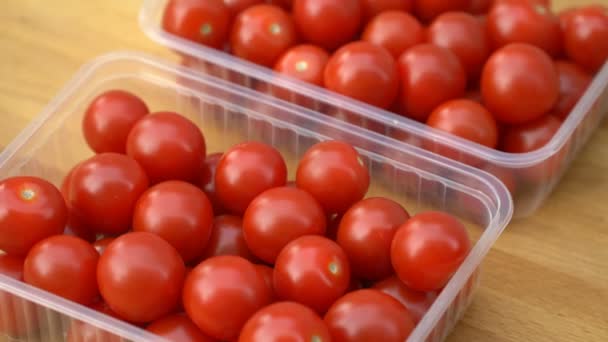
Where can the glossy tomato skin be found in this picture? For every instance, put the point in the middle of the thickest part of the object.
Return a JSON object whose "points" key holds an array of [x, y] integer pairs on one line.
{"points": [[222, 293], [573, 82], [262, 33], [396, 31], [12, 266], [104, 190], [372, 8], [64, 265], [416, 302], [279, 216], [428, 249], [466, 119], [245, 171], [237, 6], [430, 75], [428, 10], [519, 83], [586, 37], [530, 22], [365, 233], [109, 118], [465, 36], [140, 277], [180, 213], [267, 273], [285, 321], [304, 62], [101, 244], [530, 136], [365, 72], [227, 239], [17, 316], [334, 174], [204, 22], [74, 226], [312, 270], [178, 327], [364, 315], [168, 146], [32, 210], [208, 181]]}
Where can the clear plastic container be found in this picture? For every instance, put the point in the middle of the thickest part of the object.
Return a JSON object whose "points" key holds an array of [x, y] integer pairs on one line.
{"points": [[228, 114], [530, 176]]}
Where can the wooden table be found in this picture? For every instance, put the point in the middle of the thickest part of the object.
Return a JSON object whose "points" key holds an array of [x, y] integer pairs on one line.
{"points": [[545, 280]]}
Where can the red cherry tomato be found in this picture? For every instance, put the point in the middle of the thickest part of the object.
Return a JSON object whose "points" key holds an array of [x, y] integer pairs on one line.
{"points": [[208, 181], [140, 276], [180, 213], [279, 216], [109, 119], [285, 321], [466, 119], [517, 21], [428, 249], [262, 33], [519, 83], [32, 210], [417, 303], [267, 273], [18, 317], [304, 62], [82, 332], [227, 239], [12, 266], [74, 226], [372, 8], [178, 327], [168, 146], [284, 4], [365, 72], [245, 171], [65, 266], [101, 245], [465, 36], [205, 22], [365, 233], [479, 7], [104, 190], [427, 10], [430, 75], [573, 82], [312, 270], [237, 6], [531, 136], [395, 31], [364, 315], [222, 293], [334, 174], [586, 37]]}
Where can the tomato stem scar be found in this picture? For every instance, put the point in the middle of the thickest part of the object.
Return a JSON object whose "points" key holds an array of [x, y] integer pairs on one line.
{"points": [[316, 338], [275, 28], [28, 194], [301, 66], [206, 29], [333, 267]]}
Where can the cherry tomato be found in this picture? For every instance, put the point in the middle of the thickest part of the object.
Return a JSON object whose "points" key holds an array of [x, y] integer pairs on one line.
{"points": [[205, 22], [531, 136], [430, 75], [517, 21], [285, 321], [12, 266], [245, 171], [109, 119], [304, 62], [284, 4], [334, 174], [82, 332], [428, 249], [140, 276], [32, 210], [519, 83], [101, 245], [178, 327], [395, 31], [466, 119], [17, 316], [227, 239], [312, 270], [168, 146], [479, 7], [365, 233], [427, 10], [237, 6], [180, 213], [573, 82], [64, 265], [262, 33], [267, 272], [74, 226], [372, 8], [104, 190], [365, 72], [465, 36], [327, 23], [208, 181], [222, 293], [279, 216], [416, 302], [364, 315], [586, 37]]}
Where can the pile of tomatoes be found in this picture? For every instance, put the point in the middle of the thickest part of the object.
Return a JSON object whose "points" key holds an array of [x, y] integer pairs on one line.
{"points": [[500, 73], [193, 246]]}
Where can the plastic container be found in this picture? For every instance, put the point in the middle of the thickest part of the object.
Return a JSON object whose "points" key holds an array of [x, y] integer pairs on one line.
{"points": [[228, 114], [530, 176]]}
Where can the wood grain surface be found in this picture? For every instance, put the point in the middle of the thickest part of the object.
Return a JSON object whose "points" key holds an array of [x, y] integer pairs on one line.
{"points": [[545, 280]]}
